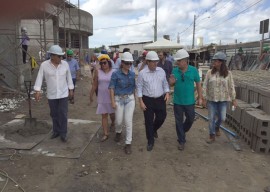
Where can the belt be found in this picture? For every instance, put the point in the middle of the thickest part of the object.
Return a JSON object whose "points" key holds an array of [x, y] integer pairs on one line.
{"points": [[162, 96], [123, 96]]}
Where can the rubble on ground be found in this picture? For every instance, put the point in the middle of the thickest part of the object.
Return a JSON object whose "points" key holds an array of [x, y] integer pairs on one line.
{"points": [[9, 104]]}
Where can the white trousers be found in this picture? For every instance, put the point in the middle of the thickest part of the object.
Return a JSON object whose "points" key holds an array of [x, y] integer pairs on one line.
{"points": [[125, 106]]}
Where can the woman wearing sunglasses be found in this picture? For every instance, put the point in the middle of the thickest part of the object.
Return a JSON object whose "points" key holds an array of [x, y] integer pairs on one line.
{"points": [[122, 87], [101, 82]]}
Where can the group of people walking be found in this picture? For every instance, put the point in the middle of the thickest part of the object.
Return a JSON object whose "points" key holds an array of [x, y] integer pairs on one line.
{"points": [[116, 90]]}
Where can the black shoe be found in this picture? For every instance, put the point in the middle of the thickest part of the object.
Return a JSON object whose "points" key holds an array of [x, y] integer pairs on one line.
{"points": [[54, 135], [155, 134], [150, 147], [117, 137], [128, 149], [64, 139]]}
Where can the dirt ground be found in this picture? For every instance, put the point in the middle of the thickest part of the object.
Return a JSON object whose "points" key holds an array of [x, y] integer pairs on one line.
{"points": [[104, 167]]}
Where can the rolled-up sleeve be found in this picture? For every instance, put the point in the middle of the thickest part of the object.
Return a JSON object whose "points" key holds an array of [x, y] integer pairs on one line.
{"points": [[232, 87], [139, 85], [113, 81], [39, 79]]}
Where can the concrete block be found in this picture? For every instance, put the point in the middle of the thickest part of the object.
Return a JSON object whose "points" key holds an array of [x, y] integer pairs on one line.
{"points": [[261, 145]]}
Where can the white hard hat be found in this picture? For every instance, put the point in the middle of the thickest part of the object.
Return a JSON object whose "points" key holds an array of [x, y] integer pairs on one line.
{"points": [[181, 54], [56, 50], [152, 56], [23, 29], [220, 56], [127, 57]]}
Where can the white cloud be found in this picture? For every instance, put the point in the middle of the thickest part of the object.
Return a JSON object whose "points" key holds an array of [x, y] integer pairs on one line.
{"points": [[216, 20]]}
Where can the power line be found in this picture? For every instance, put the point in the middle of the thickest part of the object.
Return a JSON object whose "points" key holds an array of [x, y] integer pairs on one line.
{"points": [[236, 14], [124, 25]]}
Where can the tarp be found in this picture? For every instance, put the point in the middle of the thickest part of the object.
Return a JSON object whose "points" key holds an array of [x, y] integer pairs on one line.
{"points": [[162, 44]]}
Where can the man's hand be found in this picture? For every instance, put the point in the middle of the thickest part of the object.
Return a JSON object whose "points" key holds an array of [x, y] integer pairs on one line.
{"points": [[37, 96], [71, 94], [142, 105], [172, 80], [167, 97]]}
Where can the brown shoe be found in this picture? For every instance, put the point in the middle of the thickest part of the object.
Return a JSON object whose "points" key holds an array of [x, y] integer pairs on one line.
{"points": [[218, 133], [128, 149], [211, 139], [181, 147], [117, 137]]}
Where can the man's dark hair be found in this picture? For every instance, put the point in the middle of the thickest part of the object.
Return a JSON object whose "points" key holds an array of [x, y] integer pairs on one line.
{"points": [[126, 50]]}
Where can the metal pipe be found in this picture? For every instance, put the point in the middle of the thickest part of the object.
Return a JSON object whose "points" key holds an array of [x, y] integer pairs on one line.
{"points": [[222, 127]]}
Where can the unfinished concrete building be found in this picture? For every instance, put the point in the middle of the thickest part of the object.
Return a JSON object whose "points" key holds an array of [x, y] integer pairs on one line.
{"points": [[47, 22]]}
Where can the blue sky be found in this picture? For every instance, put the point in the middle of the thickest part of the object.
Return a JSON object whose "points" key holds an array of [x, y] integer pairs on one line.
{"points": [[217, 21]]}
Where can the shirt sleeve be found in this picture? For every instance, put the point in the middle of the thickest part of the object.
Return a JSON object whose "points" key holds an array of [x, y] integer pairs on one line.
{"points": [[231, 87], [69, 78], [139, 84], [205, 85], [113, 80], [39, 79], [165, 83]]}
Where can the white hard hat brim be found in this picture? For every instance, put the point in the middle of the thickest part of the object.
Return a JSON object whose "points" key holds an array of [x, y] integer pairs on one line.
{"points": [[56, 53]]}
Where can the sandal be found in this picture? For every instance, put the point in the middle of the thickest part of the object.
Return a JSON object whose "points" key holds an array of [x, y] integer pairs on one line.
{"points": [[104, 138]]}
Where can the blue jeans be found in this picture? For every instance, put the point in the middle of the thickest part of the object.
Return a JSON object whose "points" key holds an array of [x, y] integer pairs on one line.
{"points": [[183, 126], [216, 114], [58, 112]]}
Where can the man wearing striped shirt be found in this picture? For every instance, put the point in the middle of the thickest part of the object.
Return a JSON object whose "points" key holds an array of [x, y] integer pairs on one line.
{"points": [[153, 93]]}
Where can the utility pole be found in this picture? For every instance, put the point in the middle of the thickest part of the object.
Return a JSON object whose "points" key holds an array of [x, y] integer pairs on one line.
{"points": [[178, 37], [193, 39], [155, 30]]}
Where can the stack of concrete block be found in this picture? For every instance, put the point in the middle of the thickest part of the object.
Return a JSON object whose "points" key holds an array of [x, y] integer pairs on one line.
{"points": [[235, 118], [261, 132], [251, 119], [264, 99]]}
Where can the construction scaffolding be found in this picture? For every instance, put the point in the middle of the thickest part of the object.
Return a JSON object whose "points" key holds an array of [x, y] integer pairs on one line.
{"points": [[55, 22]]}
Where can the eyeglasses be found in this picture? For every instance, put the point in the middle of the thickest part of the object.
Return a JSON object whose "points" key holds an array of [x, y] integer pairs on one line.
{"points": [[183, 77], [69, 56], [103, 63], [127, 63]]}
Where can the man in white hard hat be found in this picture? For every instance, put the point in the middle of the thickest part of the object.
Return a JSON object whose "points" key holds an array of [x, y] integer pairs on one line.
{"points": [[153, 92], [59, 88], [183, 78]]}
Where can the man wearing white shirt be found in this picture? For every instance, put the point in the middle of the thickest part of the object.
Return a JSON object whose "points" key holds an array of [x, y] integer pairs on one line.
{"points": [[153, 93], [59, 87]]}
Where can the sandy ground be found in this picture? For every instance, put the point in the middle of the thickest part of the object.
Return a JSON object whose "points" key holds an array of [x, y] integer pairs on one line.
{"points": [[104, 167]]}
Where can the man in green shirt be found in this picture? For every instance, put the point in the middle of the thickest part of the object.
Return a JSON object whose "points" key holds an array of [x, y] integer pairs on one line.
{"points": [[183, 78]]}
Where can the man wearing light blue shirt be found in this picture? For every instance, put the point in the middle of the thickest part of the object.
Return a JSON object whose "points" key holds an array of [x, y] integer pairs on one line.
{"points": [[153, 93], [74, 70], [59, 86]]}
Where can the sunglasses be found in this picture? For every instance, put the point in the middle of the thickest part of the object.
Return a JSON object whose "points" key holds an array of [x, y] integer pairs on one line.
{"points": [[128, 63], [103, 63], [69, 56], [183, 77]]}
